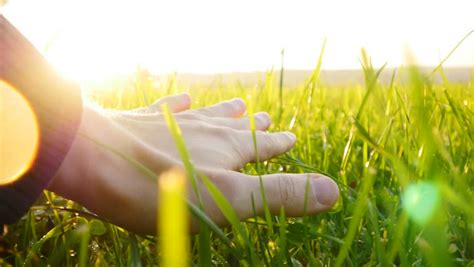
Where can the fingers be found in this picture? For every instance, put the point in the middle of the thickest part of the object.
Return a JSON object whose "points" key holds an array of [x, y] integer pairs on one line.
{"points": [[290, 190], [262, 122], [176, 103], [281, 190], [233, 108], [269, 145]]}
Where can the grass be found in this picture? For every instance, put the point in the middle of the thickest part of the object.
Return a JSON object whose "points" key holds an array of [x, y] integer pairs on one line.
{"points": [[402, 154]]}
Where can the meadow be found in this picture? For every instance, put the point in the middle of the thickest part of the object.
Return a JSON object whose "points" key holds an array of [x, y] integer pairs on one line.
{"points": [[401, 153]]}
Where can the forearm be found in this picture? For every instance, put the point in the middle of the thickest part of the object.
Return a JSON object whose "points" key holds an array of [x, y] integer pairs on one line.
{"points": [[57, 106]]}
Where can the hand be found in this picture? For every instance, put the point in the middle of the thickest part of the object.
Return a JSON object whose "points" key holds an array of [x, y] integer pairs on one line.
{"points": [[219, 141]]}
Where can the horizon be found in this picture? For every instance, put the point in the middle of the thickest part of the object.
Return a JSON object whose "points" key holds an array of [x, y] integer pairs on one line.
{"points": [[292, 77]]}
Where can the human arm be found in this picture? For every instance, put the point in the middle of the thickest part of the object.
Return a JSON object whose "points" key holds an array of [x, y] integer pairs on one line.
{"points": [[57, 106], [218, 138], [219, 142]]}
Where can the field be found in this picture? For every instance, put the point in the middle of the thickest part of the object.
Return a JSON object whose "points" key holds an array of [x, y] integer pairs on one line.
{"points": [[401, 153]]}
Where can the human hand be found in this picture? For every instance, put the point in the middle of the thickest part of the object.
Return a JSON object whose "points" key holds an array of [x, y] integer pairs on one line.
{"points": [[219, 142]]}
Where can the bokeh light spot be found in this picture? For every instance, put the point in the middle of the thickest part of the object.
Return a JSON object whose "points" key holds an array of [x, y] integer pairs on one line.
{"points": [[420, 201], [19, 134]]}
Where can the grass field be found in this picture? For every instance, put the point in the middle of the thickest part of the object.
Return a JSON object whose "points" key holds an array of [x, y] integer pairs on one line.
{"points": [[401, 153]]}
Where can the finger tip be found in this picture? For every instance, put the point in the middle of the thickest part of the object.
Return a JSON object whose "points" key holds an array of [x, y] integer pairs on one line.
{"points": [[186, 98], [265, 118], [325, 190], [292, 138], [241, 106], [183, 102]]}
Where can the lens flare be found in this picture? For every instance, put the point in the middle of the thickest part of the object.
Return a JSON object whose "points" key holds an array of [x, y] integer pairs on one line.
{"points": [[19, 134], [420, 201]]}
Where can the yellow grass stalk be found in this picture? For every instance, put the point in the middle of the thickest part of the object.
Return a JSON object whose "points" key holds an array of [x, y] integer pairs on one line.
{"points": [[173, 219]]}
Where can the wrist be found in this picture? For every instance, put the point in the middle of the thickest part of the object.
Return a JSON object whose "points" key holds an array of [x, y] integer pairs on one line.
{"points": [[75, 170]]}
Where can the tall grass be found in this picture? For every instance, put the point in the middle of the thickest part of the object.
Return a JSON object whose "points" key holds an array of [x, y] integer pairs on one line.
{"points": [[400, 152]]}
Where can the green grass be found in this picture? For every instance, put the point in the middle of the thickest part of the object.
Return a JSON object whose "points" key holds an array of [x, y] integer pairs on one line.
{"points": [[402, 154]]}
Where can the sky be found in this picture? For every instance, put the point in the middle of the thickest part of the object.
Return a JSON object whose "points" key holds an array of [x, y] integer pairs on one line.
{"points": [[91, 39]]}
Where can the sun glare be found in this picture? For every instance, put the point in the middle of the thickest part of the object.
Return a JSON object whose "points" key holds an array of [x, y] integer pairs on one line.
{"points": [[88, 40], [19, 135]]}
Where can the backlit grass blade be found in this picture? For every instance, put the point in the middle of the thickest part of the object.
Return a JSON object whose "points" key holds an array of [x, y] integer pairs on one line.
{"points": [[362, 200], [280, 89], [357, 215], [181, 146], [55, 232], [451, 52], [173, 219], [464, 123], [282, 243], [308, 88], [204, 235], [414, 129], [266, 210], [135, 259], [316, 73], [379, 250], [198, 213], [205, 222], [398, 230], [217, 196], [261, 241], [307, 190], [140, 167], [371, 79], [230, 214], [84, 245], [404, 171]]}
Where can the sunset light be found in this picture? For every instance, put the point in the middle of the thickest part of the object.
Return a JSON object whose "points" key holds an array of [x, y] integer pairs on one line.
{"points": [[88, 40], [236, 133]]}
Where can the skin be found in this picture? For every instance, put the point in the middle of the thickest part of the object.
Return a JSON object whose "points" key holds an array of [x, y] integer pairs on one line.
{"points": [[219, 141]]}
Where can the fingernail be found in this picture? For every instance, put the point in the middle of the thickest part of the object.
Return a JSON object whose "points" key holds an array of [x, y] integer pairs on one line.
{"points": [[264, 117], [325, 190], [239, 102], [292, 136], [187, 97]]}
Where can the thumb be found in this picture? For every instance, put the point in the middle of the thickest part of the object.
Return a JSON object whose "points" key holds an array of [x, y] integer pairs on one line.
{"points": [[281, 190], [291, 191]]}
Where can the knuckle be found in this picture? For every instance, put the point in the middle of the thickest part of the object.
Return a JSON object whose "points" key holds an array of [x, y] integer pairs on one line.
{"points": [[286, 189], [190, 128], [186, 115], [207, 111], [217, 132], [239, 103], [230, 134], [240, 146], [267, 143]]}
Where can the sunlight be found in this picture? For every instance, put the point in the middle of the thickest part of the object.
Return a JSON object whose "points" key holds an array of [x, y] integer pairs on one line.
{"points": [[19, 136], [88, 40]]}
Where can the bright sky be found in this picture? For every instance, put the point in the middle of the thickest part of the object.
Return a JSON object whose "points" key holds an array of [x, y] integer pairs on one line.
{"points": [[90, 39]]}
